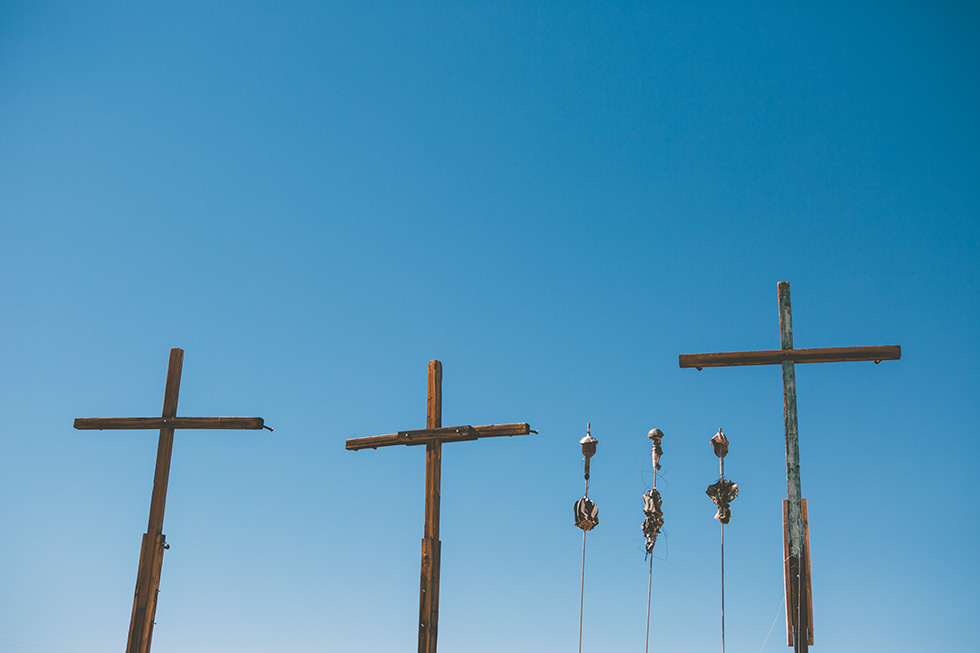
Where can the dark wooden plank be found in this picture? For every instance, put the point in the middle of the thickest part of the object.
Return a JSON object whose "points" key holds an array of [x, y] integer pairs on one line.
{"points": [[448, 434], [429, 578], [161, 476], [134, 423], [148, 576], [807, 590], [787, 581], [875, 353], [799, 618]]}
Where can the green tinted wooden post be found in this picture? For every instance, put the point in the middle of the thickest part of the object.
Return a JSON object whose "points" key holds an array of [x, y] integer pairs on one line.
{"points": [[154, 541], [799, 611], [797, 574]]}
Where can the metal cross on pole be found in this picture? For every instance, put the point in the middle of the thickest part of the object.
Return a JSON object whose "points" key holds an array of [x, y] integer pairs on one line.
{"points": [[432, 437], [799, 612], [154, 541]]}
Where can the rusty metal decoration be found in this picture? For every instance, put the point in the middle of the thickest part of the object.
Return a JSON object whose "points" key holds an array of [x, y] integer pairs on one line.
{"points": [[654, 520], [652, 502], [586, 512], [724, 491]]}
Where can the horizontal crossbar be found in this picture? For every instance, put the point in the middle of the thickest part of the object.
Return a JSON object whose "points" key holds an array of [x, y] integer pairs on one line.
{"points": [[132, 423], [776, 356], [448, 434]]}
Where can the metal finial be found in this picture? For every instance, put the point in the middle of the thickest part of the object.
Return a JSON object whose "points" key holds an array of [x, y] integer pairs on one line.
{"points": [[588, 442], [588, 448], [720, 443], [656, 435], [724, 491], [586, 512]]}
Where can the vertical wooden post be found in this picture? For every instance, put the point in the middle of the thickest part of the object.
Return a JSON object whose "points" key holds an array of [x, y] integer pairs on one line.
{"points": [[796, 582], [798, 571], [429, 585], [793, 489], [154, 541]]}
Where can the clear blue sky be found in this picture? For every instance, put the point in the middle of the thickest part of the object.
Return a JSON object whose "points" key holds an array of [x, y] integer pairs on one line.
{"points": [[554, 199]]}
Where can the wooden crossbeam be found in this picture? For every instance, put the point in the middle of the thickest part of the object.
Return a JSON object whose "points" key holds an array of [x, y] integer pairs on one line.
{"points": [[875, 353], [445, 434], [135, 423]]}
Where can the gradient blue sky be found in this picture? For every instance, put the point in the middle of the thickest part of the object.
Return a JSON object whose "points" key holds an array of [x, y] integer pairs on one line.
{"points": [[554, 199]]}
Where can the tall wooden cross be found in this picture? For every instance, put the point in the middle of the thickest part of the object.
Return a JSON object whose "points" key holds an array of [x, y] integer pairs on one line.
{"points": [[154, 542], [432, 437], [799, 611]]}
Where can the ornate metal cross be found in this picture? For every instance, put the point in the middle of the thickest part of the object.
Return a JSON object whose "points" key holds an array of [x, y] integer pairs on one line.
{"points": [[799, 612], [432, 437], [154, 541]]}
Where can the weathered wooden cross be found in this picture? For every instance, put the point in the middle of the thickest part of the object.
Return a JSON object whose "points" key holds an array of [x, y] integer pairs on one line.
{"points": [[799, 611], [432, 437], [154, 542]]}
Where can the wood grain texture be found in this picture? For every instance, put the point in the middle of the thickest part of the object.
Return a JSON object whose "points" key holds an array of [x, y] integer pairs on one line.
{"points": [[447, 434], [429, 572], [777, 356], [138, 423], [151, 555]]}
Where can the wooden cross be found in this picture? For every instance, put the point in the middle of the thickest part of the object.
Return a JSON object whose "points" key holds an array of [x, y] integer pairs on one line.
{"points": [[432, 437], [154, 542], [799, 611]]}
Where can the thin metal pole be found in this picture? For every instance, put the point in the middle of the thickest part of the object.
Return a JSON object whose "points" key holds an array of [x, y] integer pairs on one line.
{"points": [[721, 472], [646, 647], [649, 597], [581, 604], [722, 588]]}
